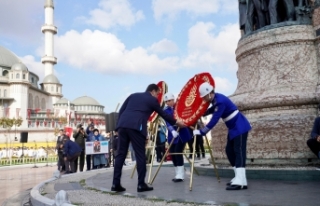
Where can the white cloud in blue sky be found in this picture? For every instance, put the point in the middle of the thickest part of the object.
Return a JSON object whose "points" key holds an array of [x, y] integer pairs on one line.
{"points": [[108, 49], [113, 13]]}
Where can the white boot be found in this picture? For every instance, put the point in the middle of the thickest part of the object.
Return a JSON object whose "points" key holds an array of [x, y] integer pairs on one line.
{"points": [[176, 173], [240, 181], [235, 174], [180, 174]]}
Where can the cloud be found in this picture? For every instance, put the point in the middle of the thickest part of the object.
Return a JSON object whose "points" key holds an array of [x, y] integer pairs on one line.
{"points": [[223, 85], [210, 46], [104, 52], [163, 46], [113, 13], [33, 66], [170, 9], [21, 20]]}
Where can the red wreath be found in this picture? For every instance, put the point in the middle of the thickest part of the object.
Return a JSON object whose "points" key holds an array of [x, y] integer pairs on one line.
{"points": [[189, 105], [163, 90]]}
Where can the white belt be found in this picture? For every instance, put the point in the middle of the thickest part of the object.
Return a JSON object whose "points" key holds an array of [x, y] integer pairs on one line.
{"points": [[233, 114]]}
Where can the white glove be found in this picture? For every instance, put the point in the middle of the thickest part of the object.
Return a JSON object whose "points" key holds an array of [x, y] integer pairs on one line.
{"points": [[196, 132], [175, 133]]}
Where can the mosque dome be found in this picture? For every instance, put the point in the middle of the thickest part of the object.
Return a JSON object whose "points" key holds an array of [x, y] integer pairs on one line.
{"points": [[51, 78], [62, 101], [19, 67], [7, 58], [85, 100]]}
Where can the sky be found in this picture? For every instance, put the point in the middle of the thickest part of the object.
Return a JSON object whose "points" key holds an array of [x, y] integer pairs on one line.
{"points": [[108, 49]]}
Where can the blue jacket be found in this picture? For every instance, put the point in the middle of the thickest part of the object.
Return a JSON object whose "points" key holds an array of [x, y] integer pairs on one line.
{"points": [[70, 148], [90, 134], [316, 128], [184, 134], [222, 107], [136, 110]]}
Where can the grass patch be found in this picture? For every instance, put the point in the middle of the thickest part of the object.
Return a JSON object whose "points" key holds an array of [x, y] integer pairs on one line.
{"points": [[82, 182], [76, 203]]}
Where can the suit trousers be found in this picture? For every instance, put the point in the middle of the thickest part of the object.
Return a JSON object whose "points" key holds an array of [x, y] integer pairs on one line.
{"points": [[138, 143], [81, 162], [314, 145], [177, 159], [70, 163], [236, 150]]}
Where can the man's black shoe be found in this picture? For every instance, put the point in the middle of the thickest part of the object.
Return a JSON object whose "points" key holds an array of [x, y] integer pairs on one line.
{"points": [[117, 188], [144, 187]]}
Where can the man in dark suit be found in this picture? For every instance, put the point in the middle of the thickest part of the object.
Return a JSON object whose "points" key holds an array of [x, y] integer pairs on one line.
{"points": [[132, 127]]}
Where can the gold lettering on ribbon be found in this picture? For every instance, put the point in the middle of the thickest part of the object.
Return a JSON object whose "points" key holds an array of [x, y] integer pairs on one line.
{"points": [[191, 97]]}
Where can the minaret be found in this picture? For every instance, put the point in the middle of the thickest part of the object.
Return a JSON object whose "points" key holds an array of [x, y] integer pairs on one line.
{"points": [[49, 30]]}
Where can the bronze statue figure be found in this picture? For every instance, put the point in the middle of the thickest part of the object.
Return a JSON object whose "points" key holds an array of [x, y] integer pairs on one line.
{"points": [[260, 8], [274, 14]]}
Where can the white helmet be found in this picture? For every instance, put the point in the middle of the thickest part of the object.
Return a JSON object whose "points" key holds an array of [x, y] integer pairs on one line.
{"points": [[168, 96], [204, 89]]}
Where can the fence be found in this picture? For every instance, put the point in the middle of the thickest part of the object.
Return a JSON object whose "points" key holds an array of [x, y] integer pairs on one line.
{"points": [[27, 160]]}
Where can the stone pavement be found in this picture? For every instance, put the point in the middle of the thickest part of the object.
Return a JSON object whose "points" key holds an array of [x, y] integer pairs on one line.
{"points": [[16, 181], [93, 188]]}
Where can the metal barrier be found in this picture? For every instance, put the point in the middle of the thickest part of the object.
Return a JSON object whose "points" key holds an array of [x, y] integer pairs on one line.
{"points": [[27, 160]]}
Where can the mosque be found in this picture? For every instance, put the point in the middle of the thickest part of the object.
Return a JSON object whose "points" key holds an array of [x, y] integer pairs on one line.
{"points": [[41, 105]]}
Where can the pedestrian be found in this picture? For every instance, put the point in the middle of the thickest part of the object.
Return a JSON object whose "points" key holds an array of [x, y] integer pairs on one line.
{"points": [[80, 138], [132, 127], [179, 140], [90, 138], [238, 128], [161, 142], [199, 144], [99, 160], [71, 152], [314, 141], [59, 149]]}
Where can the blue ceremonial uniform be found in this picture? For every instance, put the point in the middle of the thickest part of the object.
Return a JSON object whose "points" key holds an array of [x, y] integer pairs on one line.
{"points": [[238, 128], [223, 107], [132, 127], [179, 142], [184, 134]]}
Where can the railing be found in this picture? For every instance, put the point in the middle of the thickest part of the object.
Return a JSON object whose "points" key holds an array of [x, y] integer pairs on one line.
{"points": [[27, 160]]}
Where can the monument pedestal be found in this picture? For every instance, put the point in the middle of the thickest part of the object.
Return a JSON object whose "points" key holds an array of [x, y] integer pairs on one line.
{"points": [[278, 91]]}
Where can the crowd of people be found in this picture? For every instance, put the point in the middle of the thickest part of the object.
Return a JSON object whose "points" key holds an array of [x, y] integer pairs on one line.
{"points": [[26, 152], [72, 154]]}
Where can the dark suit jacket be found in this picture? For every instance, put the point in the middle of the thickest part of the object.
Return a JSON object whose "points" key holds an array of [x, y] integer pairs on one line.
{"points": [[136, 110]]}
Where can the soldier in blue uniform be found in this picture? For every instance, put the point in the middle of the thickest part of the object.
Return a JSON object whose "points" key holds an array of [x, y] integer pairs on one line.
{"points": [[238, 128], [132, 127], [179, 140]]}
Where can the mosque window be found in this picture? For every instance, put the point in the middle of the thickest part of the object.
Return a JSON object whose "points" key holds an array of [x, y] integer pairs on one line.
{"points": [[57, 89], [43, 104], [17, 76], [30, 101], [5, 93], [32, 80], [11, 76], [37, 103], [52, 88], [23, 76]]}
